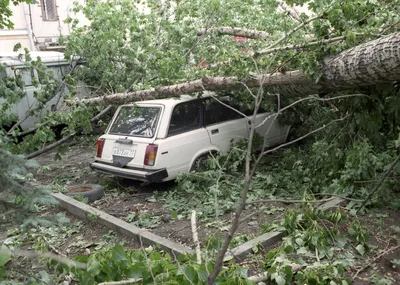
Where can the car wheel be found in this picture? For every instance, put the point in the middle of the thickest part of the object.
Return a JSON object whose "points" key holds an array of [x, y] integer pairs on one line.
{"points": [[201, 163], [92, 192]]}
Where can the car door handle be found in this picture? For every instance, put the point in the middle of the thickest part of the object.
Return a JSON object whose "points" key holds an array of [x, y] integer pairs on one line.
{"points": [[215, 131]]}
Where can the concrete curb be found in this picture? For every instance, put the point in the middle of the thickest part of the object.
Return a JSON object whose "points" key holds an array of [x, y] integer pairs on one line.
{"points": [[240, 252], [146, 238]]}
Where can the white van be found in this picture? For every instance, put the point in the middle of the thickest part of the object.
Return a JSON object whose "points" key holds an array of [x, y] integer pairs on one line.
{"points": [[157, 140], [55, 62]]}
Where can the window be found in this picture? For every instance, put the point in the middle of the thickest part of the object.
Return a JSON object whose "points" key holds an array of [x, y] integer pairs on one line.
{"points": [[185, 117], [215, 112], [52, 74], [49, 10], [136, 121], [26, 75]]}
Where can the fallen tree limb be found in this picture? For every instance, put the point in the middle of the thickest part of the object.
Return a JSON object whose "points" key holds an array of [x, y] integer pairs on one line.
{"points": [[93, 120], [34, 254], [238, 32], [378, 186], [291, 11], [302, 46], [302, 25], [195, 236], [64, 139], [371, 63], [277, 49], [288, 201], [302, 137], [50, 146], [302, 201], [122, 282]]}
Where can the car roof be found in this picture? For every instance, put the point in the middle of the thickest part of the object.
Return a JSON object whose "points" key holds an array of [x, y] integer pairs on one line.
{"points": [[174, 100]]}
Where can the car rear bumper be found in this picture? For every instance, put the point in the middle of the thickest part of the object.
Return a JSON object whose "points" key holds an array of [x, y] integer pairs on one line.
{"points": [[131, 173]]}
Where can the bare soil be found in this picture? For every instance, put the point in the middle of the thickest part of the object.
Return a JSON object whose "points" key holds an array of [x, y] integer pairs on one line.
{"points": [[384, 228], [123, 196], [179, 230]]}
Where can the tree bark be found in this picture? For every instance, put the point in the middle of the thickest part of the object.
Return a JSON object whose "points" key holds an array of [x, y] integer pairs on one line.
{"points": [[238, 32], [292, 12], [371, 63]]}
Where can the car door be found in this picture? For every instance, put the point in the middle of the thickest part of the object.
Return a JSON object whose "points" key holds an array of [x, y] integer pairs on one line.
{"points": [[269, 127], [224, 125], [186, 138]]}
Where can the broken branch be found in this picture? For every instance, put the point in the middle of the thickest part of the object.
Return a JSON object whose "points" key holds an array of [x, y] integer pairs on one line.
{"points": [[34, 254], [122, 282], [64, 139], [290, 11], [303, 24], [303, 46], [238, 32], [195, 236]]}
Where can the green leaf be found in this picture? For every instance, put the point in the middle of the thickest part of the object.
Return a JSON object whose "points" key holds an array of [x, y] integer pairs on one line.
{"points": [[118, 253], [289, 249], [94, 267], [188, 272], [5, 255], [203, 275], [361, 249], [280, 280], [31, 164]]}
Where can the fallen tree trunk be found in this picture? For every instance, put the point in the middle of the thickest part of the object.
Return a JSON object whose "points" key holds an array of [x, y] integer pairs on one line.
{"points": [[371, 63]]}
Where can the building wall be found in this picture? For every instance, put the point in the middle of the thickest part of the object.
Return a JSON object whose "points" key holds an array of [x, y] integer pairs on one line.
{"points": [[32, 30], [19, 34]]}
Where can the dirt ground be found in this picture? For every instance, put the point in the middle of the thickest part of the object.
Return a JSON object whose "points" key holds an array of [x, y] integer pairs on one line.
{"points": [[127, 199], [384, 230], [123, 196]]}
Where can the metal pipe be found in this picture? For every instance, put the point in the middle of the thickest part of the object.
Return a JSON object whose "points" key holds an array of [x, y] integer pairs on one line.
{"points": [[28, 27]]}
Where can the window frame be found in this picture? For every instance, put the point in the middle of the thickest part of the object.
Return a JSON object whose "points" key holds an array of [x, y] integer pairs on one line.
{"points": [[32, 75], [201, 118], [219, 122], [43, 8], [159, 119]]}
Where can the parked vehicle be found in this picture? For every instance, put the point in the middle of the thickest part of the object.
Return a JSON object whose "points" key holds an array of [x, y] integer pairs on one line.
{"points": [[157, 140], [16, 66]]}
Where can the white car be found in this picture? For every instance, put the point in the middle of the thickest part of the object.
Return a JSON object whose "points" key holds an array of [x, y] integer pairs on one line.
{"points": [[156, 140]]}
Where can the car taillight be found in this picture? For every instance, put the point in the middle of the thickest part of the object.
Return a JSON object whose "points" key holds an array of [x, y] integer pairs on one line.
{"points": [[151, 153], [99, 147]]}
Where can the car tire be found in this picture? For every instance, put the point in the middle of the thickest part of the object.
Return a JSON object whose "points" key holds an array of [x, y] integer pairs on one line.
{"points": [[92, 192], [201, 163]]}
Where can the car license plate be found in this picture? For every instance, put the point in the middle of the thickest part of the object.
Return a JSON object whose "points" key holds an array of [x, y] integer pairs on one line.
{"points": [[124, 152]]}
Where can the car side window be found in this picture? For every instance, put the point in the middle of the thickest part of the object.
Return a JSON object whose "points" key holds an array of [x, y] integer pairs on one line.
{"points": [[27, 76], [185, 117], [215, 112]]}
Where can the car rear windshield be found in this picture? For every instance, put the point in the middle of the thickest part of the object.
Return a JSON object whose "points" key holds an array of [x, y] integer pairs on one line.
{"points": [[136, 121]]}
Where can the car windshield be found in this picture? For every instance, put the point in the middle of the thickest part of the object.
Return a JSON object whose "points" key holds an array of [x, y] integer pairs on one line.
{"points": [[136, 121]]}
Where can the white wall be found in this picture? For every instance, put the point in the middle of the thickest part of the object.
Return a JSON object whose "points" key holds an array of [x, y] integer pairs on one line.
{"points": [[19, 34], [40, 31]]}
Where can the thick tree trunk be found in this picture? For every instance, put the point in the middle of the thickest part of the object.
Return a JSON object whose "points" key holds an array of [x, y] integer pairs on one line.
{"points": [[368, 64]]}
